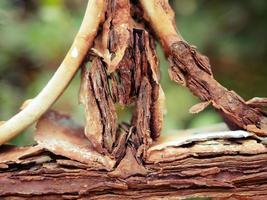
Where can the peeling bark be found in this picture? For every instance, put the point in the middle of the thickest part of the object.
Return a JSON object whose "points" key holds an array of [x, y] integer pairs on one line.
{"points": [[108, 160], [101, 123], [124, 70], [57, 133], [193, 70], [220, 165]]}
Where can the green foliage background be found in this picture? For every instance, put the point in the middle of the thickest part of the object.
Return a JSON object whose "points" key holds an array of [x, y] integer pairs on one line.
{"points": [[35, 35]]}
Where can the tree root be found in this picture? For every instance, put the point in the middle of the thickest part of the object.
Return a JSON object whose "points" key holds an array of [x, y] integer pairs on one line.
{"points": [[124, 71], [40, 104], [193, 70]]}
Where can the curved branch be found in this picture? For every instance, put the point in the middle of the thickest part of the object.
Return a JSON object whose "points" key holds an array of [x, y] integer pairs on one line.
{"points": [[192, 69], [83, 41]]}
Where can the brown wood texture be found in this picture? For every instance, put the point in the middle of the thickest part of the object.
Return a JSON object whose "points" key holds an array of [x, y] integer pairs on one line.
{"points": [[124, 72], [219, 165], [109, 159], [190, 68]]}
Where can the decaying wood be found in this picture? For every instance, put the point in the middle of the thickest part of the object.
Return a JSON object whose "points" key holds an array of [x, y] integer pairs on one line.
{"points": [[199, 166], [193, 70], [58, 134], [112, 160], [124, 71]]}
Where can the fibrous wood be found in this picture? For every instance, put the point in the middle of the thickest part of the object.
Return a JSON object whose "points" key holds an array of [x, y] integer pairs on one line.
{"points": [[190, 68], [124, 71], [112, 160], [221, 165]]}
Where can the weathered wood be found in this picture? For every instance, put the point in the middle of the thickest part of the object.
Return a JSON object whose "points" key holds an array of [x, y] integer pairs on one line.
{"points": [[193, 70], [108, 160], [124, 71], [221, 164]]}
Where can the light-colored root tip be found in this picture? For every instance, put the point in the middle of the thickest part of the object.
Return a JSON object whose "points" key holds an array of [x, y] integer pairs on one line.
{"points": [[83, 41]]}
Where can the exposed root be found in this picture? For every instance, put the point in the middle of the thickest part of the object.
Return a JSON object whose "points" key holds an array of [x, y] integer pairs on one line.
{"points": [[124, 71], [192, 69], [62, 77]]}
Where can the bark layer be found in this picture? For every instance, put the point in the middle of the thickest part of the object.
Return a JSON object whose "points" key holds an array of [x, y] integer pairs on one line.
{"points": [[190, 68], [220, 165], [123, 160], [124, 71], [193, 70]]}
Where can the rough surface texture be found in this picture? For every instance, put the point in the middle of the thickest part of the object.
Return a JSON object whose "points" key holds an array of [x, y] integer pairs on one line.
{"points": [[190, 68], [123, 72], [221, 165], [58, 134], [112, 160]]}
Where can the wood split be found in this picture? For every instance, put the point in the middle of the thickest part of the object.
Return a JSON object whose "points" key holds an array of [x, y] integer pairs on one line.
{"points": [[124, 71]]}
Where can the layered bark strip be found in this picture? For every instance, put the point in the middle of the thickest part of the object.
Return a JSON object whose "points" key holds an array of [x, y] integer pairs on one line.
{"points": [[219, 165], [193, 70], [124, 71]]}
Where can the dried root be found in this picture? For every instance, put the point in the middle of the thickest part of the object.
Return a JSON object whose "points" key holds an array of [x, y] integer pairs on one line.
{"points": [[124, 71], [192, 69], [40, 104]]}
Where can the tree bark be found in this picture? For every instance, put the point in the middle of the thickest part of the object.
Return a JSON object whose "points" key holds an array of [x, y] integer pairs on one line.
{"points": [[191, 69], [124, 71], [220, 165], [111, 160]]}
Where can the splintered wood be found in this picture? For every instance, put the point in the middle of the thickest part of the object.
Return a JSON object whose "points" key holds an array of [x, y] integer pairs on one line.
{"points": [[124, 70], [108, 159], [220, 165]]}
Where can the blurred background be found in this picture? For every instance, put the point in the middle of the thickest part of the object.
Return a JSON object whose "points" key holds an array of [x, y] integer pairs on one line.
{"points": [[36, 34]]}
